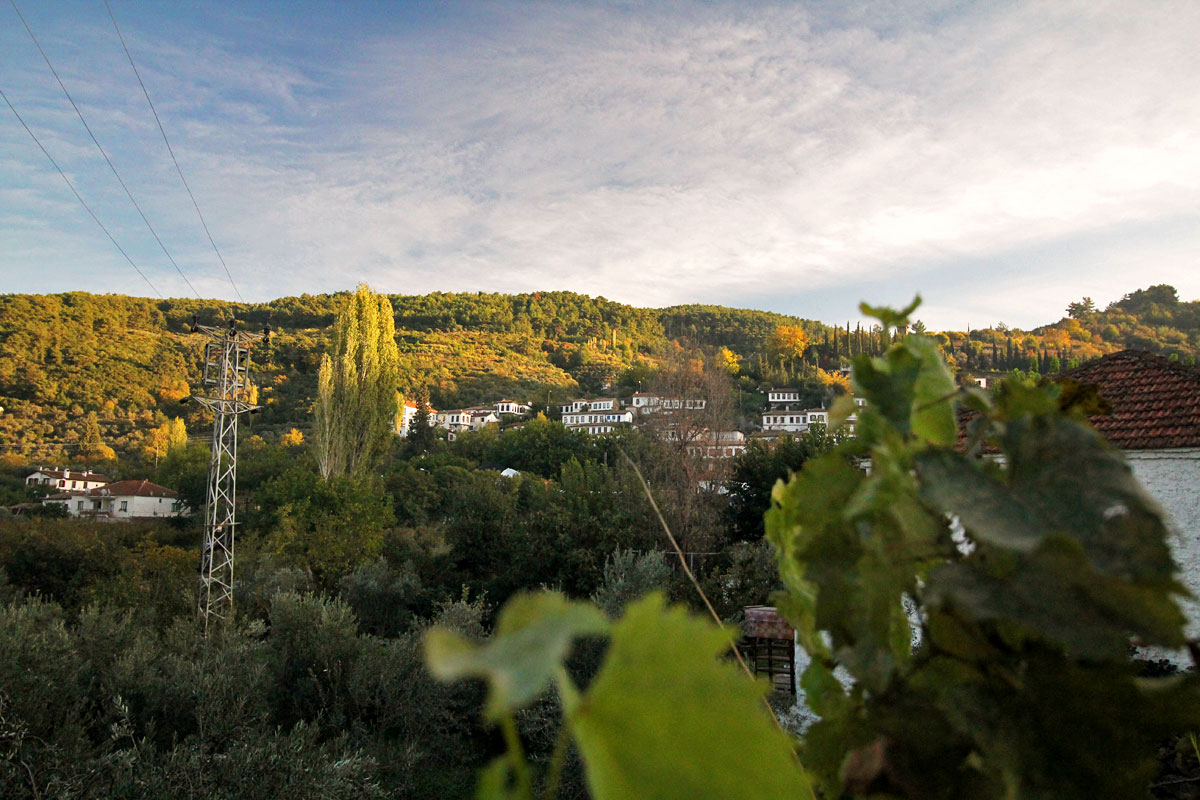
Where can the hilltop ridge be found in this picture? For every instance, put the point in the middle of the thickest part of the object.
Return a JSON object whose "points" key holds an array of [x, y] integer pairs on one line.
{"points": [[130, 360]]}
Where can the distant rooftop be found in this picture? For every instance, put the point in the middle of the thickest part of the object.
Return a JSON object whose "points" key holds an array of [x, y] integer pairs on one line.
{"points": [[1155, 401]]}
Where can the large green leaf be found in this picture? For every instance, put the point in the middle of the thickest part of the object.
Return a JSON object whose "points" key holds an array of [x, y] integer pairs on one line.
{"points": [[532, 637], [1055, 595], [665, 718], [812, 502], [933, 393], [988, 509]]}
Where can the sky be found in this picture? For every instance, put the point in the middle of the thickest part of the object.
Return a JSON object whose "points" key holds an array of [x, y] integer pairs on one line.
{"points": [[1002, 159]]}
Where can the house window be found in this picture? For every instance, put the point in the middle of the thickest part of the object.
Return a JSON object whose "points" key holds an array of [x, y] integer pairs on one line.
{"points": [[79, 506], [124, 505]]}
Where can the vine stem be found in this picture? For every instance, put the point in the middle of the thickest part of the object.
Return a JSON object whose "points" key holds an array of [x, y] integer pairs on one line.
{"points": [[712, 611], [558, 760], [516, 756]]}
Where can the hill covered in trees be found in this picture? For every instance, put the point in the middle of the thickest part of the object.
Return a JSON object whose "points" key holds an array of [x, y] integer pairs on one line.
{"points": [[128, 361]]}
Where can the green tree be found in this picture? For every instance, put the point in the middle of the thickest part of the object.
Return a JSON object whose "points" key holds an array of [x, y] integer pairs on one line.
{"points": [[357, 399], [1081, 309], [328, 526], [421, 434], [91, 446]]}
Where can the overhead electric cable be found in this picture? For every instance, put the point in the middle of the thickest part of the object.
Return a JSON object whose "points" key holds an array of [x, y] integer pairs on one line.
{"points": [[107, 160], [170, 150], [71, 186]]}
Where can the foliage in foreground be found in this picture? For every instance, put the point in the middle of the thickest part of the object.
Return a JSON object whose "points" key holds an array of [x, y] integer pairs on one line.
{"points": [[101, 706], [662, 718], [1021, 685], [1022, 579]]}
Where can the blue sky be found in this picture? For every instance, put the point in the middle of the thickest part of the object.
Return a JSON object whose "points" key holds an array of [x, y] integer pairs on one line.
{"points": [[1001, 158]]}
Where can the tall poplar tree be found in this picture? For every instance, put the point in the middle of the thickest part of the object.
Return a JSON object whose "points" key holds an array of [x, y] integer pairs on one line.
{"points": [[357, 399]]}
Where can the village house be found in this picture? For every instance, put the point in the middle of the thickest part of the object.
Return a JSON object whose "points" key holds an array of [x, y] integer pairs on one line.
{"points": [[783, 396], [122, 500], [598, 421], [594, 404], [410, 411], [718, 444], [66, 480], [460, 420], [512, 407], [1155, 422]]}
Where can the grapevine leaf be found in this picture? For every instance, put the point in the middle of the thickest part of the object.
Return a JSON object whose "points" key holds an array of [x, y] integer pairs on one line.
{"points": [[932, 407], [495, 781], [1114, 518], [951, 482], [1056, 595], [889, 316], [887, 384], [532, 636], [665, 718], [823, 692], [810, 503]]}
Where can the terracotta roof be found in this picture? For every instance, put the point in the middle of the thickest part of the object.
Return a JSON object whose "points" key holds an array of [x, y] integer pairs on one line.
{"points": [[141, 488], [1155, 401], [71, 475]]}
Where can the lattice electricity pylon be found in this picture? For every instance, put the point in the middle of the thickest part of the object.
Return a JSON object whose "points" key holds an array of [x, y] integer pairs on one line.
{"points": [[227, 380]]}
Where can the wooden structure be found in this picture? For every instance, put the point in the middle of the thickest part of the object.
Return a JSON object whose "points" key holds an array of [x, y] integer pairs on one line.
{"points": [[769, 646]]}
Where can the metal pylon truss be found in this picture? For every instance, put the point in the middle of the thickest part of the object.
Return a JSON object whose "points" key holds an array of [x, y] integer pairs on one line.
{"points": [[227, 384]]}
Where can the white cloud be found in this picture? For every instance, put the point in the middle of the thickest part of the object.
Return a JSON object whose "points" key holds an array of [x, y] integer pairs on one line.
{"points": [[681, 152]]}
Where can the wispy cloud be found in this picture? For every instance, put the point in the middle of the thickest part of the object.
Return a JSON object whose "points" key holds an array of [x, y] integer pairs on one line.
{"points": [[681, 152]]}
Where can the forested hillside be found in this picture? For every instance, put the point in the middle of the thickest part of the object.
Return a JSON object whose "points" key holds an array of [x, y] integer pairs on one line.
{"points": [[130, 360]]}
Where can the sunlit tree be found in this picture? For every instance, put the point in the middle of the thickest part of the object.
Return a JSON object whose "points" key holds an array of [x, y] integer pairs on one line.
{"points": [[357, 400]]}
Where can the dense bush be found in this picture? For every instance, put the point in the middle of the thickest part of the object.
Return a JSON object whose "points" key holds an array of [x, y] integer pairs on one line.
{"points": [[100, 705]]}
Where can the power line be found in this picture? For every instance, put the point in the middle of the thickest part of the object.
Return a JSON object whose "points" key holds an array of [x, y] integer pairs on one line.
{"points": [[170, 150], [95, 141], [71, 186]]}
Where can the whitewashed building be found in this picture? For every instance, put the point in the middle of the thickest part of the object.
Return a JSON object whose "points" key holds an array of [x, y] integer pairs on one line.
{"points": [[644, 402], [122, 500], [782, 420], [593, 404], [458, 420], [512, 407], [66, 480], [410, 411], [781, 396], [598, 421], [718, 444]]}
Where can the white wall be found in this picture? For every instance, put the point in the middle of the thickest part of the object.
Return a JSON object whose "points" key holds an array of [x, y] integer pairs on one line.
{"points": [[1173, 478]]}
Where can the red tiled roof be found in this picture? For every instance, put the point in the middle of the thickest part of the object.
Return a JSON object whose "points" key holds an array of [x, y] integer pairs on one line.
{"points": [[1155, 401], [71, 475], [141, 488]]}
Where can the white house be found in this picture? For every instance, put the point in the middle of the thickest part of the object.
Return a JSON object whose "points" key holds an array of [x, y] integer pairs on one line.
{"points": [[481, 417], [594, 404], [466, 419], [1155, 422], [66, 480], [597, 421], [645, 402], [670, 404], [718, 444], [778, 396], [122, 500], [512, 407], [785, 421], [410, 411]]}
